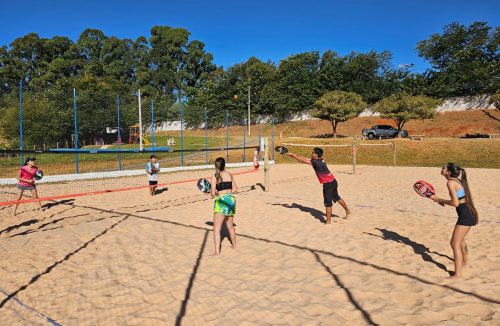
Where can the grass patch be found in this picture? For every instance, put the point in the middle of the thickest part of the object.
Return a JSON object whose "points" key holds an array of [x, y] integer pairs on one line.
{"points": [[472, 153], [65, 163]]}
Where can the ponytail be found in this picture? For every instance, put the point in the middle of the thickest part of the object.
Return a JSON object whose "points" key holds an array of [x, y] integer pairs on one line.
{"points": [[468, 195], [220, 164]]}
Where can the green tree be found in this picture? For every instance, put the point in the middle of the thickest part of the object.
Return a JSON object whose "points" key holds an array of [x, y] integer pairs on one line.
{"points": [[337, 107], [88, 52], [367, 74], [298, 81], [495, 99], [465, 59], [168, 46], [142, 60], [402, 108], [117, 59], [43, 121], [10, 71]]}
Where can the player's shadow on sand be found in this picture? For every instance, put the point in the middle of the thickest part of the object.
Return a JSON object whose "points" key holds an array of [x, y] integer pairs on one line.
{"points": [[418, 248], [160, 190], [317, 214], [13, 227], [56, 203], [42, 226]]}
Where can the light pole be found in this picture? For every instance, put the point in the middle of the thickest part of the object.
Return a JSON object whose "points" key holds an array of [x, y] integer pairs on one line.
{"points": [[248, 110], [140, 120]]}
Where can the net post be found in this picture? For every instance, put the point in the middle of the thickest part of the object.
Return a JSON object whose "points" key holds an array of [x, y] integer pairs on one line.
{"points": [[394, 152], [227, 136], [152, 125], [272, 132], [266, 164], [182, 131], [140, 121], [206, 136], [244, 141], [76, 129], [119, 136], [21, 143], [354, 150]]}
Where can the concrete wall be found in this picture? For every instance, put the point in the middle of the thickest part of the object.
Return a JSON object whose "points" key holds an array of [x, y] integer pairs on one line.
{"points": [[463, 103]]}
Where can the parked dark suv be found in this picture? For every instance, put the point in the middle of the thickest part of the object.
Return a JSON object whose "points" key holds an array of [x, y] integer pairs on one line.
{"points": [[383, 131]]}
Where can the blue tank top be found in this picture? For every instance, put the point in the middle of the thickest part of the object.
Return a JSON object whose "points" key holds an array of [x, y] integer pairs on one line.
{"points": [[461, 191]]}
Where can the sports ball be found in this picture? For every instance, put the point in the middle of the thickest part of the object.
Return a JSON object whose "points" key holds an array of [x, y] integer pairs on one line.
{"points": [[204, 185]]}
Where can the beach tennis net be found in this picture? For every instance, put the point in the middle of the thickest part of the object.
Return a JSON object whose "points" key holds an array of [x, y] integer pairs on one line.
{"points": [[68, 172]]}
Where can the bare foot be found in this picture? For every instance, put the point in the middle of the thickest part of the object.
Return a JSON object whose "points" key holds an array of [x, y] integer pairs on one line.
{"points": [[214, 255], [451, 279]]}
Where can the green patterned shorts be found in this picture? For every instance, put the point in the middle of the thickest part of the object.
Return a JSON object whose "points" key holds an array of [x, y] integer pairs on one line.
{"points": [[225, 205]]}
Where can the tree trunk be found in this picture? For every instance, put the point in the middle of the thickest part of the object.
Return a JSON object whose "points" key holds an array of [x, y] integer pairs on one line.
{"points": [[334, 126], [400, 124]]}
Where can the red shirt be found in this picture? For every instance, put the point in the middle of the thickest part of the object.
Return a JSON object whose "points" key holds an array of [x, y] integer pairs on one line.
{"points": [[27, 174], [324, 175]]}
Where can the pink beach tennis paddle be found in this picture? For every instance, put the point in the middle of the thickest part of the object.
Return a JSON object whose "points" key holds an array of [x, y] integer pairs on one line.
{"points": [[424, 189]]}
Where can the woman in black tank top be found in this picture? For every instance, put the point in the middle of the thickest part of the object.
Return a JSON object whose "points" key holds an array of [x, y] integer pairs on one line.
{"points": [[224, 204]]}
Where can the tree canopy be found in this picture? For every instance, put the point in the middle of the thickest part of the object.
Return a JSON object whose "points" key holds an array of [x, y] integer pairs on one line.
{"points": [[465, 59], [402, 108], [168, 66], [337, 107]]}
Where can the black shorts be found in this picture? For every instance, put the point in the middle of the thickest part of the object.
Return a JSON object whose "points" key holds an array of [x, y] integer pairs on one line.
{"points": [[330, 193], [465, 216], [153, 183]]}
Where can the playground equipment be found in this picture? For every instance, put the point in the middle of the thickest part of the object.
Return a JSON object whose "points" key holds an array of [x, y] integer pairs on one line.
{"points": [[135, 136]]}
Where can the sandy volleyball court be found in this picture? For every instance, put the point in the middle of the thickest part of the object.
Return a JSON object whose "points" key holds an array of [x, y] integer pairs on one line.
{"points": [[127, 259]]}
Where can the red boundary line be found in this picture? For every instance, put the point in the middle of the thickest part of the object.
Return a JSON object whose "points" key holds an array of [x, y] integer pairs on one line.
{"points": [[90, 193]]}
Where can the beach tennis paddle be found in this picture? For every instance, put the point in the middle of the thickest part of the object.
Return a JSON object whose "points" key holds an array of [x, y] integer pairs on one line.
{"points": [[38, 175], [424, 189], [204, 185], [281, 149]]}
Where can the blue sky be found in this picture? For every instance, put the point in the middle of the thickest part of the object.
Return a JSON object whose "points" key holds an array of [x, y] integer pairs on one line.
{"points": [[235, 30]]}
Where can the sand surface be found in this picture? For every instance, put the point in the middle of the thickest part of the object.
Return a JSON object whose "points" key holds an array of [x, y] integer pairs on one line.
{"points": [[125, 258]]}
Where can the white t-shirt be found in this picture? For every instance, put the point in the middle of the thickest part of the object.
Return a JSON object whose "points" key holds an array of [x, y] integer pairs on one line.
{"points": [[153, 176]]}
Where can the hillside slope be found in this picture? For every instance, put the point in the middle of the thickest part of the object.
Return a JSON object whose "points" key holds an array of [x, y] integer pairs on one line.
{"points": [[446, 124]]}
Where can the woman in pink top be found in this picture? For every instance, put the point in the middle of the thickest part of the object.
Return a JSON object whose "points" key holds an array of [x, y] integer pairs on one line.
{"points": [[26, 180]]}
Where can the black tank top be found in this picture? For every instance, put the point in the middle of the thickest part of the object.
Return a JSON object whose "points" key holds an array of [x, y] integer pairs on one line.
{"points": [[225, 185]]}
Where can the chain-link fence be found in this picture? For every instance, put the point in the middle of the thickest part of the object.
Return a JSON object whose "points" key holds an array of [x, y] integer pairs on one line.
{"points": [[98, 131]]}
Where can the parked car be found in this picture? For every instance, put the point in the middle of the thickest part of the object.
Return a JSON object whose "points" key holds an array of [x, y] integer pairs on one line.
{"points": [[383, 131]]}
